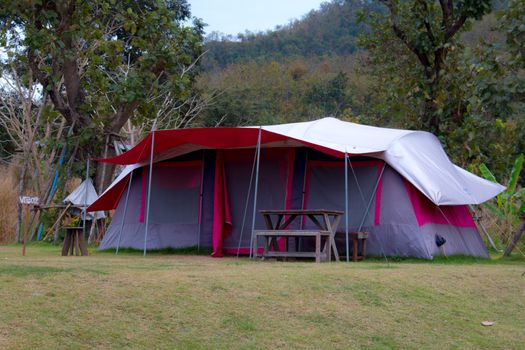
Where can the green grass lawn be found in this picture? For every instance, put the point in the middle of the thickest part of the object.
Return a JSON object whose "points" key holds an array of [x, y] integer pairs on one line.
{"points": [[196, 302]]}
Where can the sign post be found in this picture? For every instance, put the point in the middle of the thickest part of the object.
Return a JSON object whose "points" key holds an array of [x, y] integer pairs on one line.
{"points": [[27, 200]]}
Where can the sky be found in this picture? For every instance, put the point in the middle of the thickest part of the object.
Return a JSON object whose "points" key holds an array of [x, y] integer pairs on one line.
{"points": [[237, 16]]}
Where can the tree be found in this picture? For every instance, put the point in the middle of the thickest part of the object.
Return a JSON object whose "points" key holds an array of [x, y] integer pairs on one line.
{"points": [[103, 62], [416, 41]]}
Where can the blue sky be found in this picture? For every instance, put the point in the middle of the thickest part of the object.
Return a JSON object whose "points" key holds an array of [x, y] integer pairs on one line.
{"points": [[237, 16]]}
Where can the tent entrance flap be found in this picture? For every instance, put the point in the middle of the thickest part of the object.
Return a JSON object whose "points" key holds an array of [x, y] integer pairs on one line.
{"points": [[275, 170]]}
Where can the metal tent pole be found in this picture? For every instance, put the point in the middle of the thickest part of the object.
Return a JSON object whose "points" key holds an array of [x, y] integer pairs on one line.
{"points": [[356, 181], [477, 219], [149, 190], [256, 189], [84, 207], [346, 208], [368, 209], [246, 205], [371, 198], [125, 212]]}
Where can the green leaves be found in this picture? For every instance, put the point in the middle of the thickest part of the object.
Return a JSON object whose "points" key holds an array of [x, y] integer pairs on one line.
{"points": [[515, 174], [511, 201], [487, 174]]}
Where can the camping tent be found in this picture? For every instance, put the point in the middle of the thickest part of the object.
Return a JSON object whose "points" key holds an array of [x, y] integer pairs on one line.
{"points": [[82, 197], [196, 187]]}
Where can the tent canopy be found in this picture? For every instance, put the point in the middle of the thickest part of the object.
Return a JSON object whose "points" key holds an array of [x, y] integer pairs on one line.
{"points": [[417, 155], [84, 195]]}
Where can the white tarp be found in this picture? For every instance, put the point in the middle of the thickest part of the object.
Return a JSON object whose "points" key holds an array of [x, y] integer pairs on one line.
{"points": [[83, 196], [416, 155]]}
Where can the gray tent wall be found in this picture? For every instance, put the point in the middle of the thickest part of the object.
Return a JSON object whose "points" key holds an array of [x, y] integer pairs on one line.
{"points": [[284, 182]]}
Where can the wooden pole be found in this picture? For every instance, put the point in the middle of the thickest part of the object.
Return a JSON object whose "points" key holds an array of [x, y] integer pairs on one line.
{"points": [[57, 221], [514, 240]]}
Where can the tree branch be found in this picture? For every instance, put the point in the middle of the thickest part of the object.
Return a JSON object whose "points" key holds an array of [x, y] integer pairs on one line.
{"points": [[422, 57]]}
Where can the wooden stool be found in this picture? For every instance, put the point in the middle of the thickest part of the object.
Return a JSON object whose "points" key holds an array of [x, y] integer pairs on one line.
{"points": [[356, 238], [74, 243]]}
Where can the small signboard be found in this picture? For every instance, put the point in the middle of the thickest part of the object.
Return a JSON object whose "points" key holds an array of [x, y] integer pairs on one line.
{"points": [[29, 200]]}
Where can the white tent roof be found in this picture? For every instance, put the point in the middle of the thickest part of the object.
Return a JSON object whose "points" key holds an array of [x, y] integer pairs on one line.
{"points": [[416, 155]]}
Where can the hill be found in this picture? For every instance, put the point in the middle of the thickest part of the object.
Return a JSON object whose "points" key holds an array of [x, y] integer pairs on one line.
{"points": [[330, 30]]}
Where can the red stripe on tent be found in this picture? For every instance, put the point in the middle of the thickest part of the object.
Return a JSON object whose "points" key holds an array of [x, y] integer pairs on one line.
{"points": [[289, 187], [222, 219], [184, 164], [377, 211], [213, 138], [111, 198], [427, 212]]}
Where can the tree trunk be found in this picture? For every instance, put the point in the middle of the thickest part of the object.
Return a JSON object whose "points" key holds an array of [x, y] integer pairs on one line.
{"points": [[104, 171], [431, 117], [514, 240]]}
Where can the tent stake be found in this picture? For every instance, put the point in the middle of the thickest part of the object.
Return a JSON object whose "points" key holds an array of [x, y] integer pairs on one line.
{"points": [[149, 190], [346, 207], [256, 189], [84, 207], [125, 212]]}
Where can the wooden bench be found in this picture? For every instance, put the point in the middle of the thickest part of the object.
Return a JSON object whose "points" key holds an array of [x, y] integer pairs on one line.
{"points": [[357, 237], [271, 236]]}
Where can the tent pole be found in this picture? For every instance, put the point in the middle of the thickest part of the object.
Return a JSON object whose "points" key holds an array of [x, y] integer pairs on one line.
{"points": [[246, 206], [356, 181], [368, 209], [149, 190], [84, 207], [371, 198], [346, 207], [125, 212], [256, 189], [478, 221]]}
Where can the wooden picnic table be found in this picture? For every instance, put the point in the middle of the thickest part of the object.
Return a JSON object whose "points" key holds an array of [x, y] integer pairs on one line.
{"points": [[278, 221]]}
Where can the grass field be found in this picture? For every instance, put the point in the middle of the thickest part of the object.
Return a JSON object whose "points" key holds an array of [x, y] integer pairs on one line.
{"points": [[196, 302]]}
